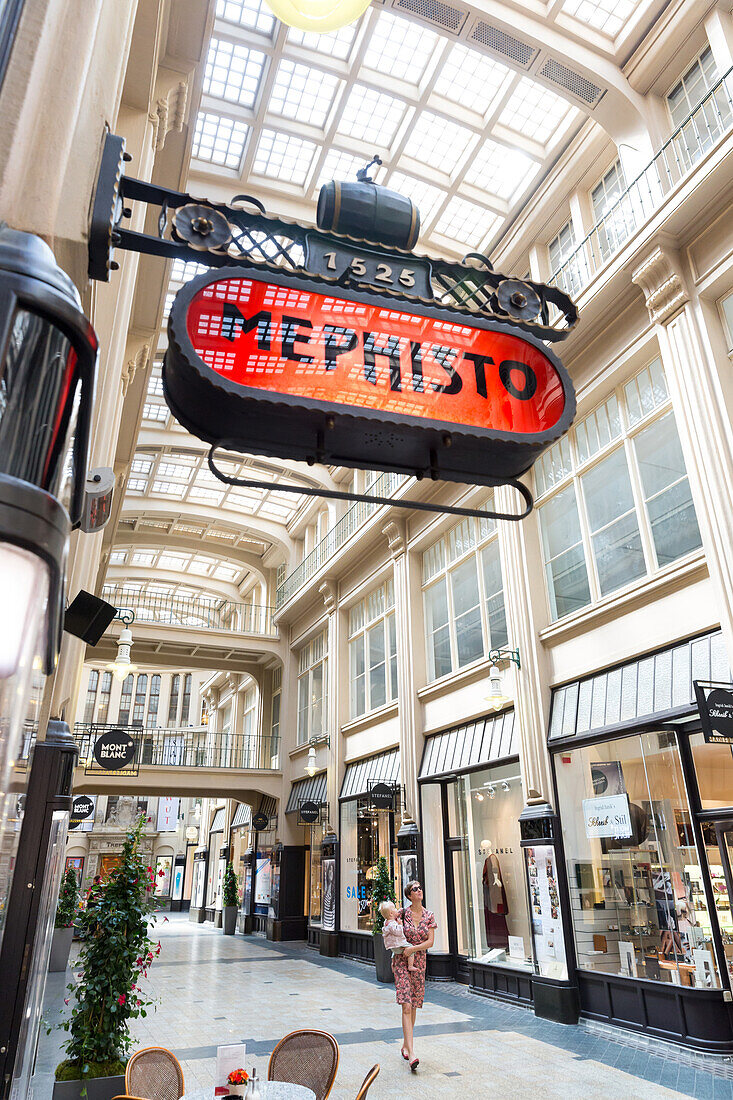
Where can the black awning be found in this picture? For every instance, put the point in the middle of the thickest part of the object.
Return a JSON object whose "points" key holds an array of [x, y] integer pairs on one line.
{"points": [[382, 768], [483, 741], [313, 788]]}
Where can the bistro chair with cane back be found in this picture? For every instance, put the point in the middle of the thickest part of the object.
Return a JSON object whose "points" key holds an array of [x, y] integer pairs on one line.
{"points": [[368, 1082], [155, 1074], [308, 1058]]}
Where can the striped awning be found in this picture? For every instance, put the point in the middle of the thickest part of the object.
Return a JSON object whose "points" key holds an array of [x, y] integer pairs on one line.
{"points": [[268, 805], [657, 687], [313, 787], [491, 738], [217, 825], [242, 816], [383, 768]]}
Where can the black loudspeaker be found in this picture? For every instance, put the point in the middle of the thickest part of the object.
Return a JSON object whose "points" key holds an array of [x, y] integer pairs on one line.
{"points": [[87, 617]]}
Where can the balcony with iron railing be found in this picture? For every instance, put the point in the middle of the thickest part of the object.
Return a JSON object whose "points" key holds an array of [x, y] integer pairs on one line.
{"points": [[199, 612], [385, 485], [710, 121], [184, 747]]}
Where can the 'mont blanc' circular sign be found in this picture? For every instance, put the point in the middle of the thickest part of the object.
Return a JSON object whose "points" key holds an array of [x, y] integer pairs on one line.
{"points": [[114, 750]]}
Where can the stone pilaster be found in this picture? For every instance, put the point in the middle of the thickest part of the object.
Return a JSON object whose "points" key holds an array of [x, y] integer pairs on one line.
{"points": [[410, 751], [329, 595], [531, 694], [706, 436]]}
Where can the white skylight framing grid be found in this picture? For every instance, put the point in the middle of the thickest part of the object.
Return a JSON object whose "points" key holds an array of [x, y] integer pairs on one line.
{"points": [[535, 111], [438, 142], [426, 197], [371, 116], [400, 48], [467, 222], [253, 14], [219, 140], [471, 79], [607, 16], [501, 171], [283, 156], [302, 93], [333, 43], [233, 72], [182, 271]]}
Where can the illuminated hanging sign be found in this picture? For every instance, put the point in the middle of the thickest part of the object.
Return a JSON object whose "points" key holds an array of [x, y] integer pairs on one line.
{"points": [[269, 365]]}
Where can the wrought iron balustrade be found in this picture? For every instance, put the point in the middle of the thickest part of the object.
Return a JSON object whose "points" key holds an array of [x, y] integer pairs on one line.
{"points": [[185, 747], [704, 126], [385, 485], [199, 612]]}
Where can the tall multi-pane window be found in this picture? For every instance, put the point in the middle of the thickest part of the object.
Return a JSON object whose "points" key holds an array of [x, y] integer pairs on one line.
{"points": [[566, 265], [154, 700], [613, 213], [277, 679], [141, 693], [125, 700], [373, 651], [704, 123], [313, 689], [463, 596], [91, 695], [105, 692], [614, 501], [186, 700], [173, 701]]}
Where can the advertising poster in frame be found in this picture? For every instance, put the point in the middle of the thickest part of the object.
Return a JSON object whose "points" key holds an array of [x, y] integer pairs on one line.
{"points": [[408, 873], [163, 881], [177, 888], [329, 895], [77, 863]]}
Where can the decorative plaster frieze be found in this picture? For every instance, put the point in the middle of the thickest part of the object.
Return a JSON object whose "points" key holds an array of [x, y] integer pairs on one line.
{"points": [[660, 278]]}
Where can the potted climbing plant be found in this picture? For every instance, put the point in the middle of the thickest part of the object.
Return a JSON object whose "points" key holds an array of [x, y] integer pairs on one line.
{"points": [[63, 929], [229, 901], [382, 890], [117, 952]]}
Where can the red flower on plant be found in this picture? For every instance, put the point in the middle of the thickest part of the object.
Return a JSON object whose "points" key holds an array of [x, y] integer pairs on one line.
{"points": [[121, 999], [161, 873], [165, 920], [238, 1077]]}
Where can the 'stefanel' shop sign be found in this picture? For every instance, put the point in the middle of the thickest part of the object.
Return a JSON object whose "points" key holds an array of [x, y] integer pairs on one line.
{"points": [[715, 703], [275, 367], [609, 816], [114, 750]]}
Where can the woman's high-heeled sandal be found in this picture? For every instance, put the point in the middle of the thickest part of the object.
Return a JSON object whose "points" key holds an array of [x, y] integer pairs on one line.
{"points": [[405, 1056], [414, 1064]]}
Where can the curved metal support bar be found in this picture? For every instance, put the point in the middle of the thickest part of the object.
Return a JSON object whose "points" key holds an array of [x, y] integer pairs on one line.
{"points": [[368, 498], [126, 615]]}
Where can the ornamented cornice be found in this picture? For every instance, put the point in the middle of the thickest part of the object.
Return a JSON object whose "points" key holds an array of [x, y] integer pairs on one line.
{"points": [[169, 113], [130, 369], [328, 593], [661, 279], [395, 532]]}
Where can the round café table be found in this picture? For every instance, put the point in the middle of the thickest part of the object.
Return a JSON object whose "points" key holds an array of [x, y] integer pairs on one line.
{"points": [[269, 1090]]}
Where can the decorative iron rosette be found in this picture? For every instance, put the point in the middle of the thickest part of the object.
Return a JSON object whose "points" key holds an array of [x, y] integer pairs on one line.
{"points": [[202, 228], [518, 299]]}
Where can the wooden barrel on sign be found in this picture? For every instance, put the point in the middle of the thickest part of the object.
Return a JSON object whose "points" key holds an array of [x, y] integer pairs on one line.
{"points": [[367, 210]]}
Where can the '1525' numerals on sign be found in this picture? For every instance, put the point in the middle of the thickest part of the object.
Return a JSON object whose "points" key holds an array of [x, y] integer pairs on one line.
{"points": [[368, 268]]}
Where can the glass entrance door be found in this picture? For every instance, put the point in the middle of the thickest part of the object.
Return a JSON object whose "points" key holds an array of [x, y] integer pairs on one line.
{"points": [[462, 904], [720, 858]]}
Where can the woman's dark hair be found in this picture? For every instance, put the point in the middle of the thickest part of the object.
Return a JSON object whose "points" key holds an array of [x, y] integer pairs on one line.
{"points": [[410, 887]]}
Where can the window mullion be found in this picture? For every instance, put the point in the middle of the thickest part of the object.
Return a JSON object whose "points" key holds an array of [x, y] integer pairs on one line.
{"points": [[483, 599], [587, 540], [451, 621], [642, 517]]}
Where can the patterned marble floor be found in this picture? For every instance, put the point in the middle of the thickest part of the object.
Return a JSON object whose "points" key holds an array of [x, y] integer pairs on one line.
{"points": [[214, 989]]}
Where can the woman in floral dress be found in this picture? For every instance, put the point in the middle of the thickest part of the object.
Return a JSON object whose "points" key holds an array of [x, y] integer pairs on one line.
{"points": [[419, 925]]}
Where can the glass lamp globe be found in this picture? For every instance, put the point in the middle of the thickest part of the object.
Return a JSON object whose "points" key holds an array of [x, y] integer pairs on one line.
{"points": [[318, 15]]}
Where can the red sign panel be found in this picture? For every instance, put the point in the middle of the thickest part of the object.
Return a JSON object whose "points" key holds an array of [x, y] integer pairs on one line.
{"points": [[362, 355], [280, 365]]}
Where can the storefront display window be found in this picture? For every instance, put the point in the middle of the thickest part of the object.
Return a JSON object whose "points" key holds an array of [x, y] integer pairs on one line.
{"points": [[636, 888], [215, 843], [492, 922], [366, 834], [714, 770], [316, 858]]}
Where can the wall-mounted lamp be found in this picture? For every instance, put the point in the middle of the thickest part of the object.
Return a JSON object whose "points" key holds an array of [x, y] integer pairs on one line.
{"points": [[310, 765], [122, 666], [492, 792], [496, 697], [318, 15]]}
